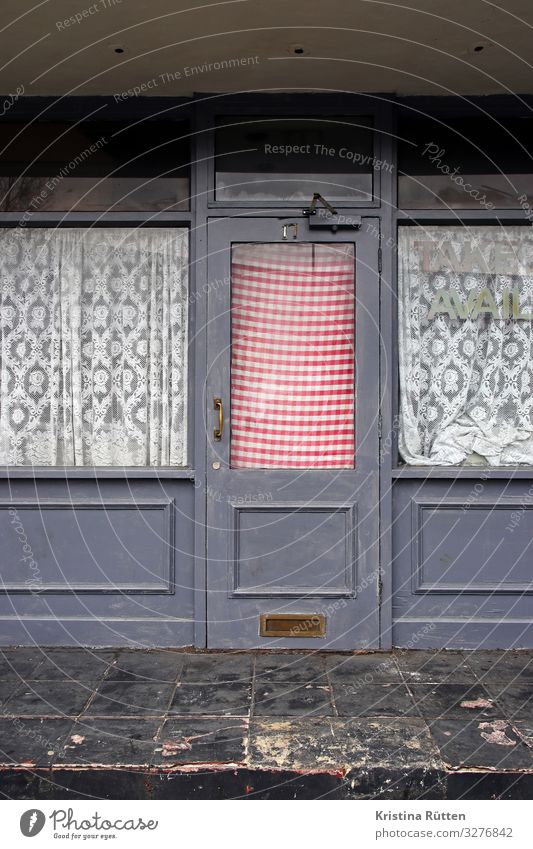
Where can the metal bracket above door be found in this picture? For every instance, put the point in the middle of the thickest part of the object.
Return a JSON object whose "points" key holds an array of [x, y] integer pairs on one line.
{"points": [[327, 217]]}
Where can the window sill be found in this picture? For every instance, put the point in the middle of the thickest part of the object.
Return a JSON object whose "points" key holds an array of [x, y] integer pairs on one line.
{"points": [[485, 472], [96, 472]]}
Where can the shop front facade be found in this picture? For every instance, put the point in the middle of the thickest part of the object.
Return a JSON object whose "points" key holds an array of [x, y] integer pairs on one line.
{"points": [[267, 372]]}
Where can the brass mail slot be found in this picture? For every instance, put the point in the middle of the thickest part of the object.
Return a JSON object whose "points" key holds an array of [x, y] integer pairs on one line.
{"points": [[292, 625]]}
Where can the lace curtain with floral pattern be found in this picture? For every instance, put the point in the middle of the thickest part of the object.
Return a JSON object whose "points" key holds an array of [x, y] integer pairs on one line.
{"points": [[466, 345], [93, 346]]}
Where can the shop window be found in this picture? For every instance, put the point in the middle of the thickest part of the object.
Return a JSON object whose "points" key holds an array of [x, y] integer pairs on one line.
{"points": [[93, 342], [94, 167], [466, 345], [288, 159], [465, 163]]}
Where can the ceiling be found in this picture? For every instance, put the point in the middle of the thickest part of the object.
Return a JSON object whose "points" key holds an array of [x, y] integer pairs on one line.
{"points": [[179, 47]]}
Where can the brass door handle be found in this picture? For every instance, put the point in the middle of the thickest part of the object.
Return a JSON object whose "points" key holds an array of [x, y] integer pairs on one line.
{"points": [[217, 433]]}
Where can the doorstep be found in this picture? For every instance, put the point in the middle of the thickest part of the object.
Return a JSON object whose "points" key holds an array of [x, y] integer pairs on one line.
{"points": [[141, 724]]}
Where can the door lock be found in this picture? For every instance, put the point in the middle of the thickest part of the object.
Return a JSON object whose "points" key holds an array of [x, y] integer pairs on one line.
{"points": [[285, 229]]}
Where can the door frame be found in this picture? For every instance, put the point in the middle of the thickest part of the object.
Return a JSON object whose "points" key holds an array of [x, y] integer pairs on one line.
{"points": [[367, 243]]}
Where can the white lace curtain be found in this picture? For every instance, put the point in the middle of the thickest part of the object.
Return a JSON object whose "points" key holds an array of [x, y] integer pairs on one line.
{"points": [[466, 365], [93, 346]]}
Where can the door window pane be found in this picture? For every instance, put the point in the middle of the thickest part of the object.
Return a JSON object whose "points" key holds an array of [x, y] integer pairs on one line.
{"points": [[466, 345], [271, 159], [93, 342], [292, 364]]}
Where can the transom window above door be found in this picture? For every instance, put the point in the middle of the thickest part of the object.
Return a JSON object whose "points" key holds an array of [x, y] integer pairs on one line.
{"points": [[93, 347], [288, 159]]}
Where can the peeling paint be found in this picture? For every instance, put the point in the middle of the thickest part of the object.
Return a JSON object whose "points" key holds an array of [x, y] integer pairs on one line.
{"points": [[172, 747], [476, 703], [496, 734]]}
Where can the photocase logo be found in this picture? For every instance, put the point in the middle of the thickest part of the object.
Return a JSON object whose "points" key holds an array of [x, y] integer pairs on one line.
{"points": [[32, 822]]}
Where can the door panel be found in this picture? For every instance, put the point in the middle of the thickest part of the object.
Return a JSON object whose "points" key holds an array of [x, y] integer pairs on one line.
{"points": [[292, 489]]}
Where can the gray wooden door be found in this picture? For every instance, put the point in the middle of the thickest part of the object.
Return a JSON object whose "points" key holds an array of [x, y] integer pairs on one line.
{"points": [[292, 480]]}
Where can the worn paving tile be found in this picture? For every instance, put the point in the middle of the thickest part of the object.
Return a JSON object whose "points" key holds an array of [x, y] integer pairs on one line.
{"points": [[285, 699], [427, 667], [487, 743], [144, 667], [48, 698], [217, 668], [397, 741], [202, 740], [32, 742], [65, 664], [453, 701], [324, 743], [8, 687], [126, 698], [386, 699], [128, 742], [525, 730], [365, 668], [290, 668], [20, 663], [224, 699], [491, 784], [501, 665], [515, 699]]}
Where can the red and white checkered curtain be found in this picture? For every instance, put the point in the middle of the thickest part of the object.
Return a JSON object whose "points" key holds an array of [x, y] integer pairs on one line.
{"points": [[292, 365]]}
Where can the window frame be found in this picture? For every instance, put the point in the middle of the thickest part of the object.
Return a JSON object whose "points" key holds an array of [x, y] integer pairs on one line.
{"points": [[443, 108], [287, 106], [136, 110]]}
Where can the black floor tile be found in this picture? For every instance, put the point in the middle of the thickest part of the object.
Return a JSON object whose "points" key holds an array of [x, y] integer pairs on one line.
{"points": [[202, 740], [387, 699], [514, 699], [489, 785], [501, 665], [32, 742], [525, 730], [426, 667], [20, 663], [128, 742], [217, 668], [8, 686], [87, 665], [126, 698], [391, 782], [290, 668], [453, 701], [287, 699], [363, 668], [144, 667], [224, 699], [487, 743], [48, 698]]}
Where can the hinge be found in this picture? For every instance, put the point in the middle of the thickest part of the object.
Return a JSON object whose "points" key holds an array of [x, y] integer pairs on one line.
{"points": [[380, 421], [380, 259]]}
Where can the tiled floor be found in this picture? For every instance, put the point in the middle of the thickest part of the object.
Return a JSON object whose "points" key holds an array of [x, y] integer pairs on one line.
{"points": [[341, 714]]}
